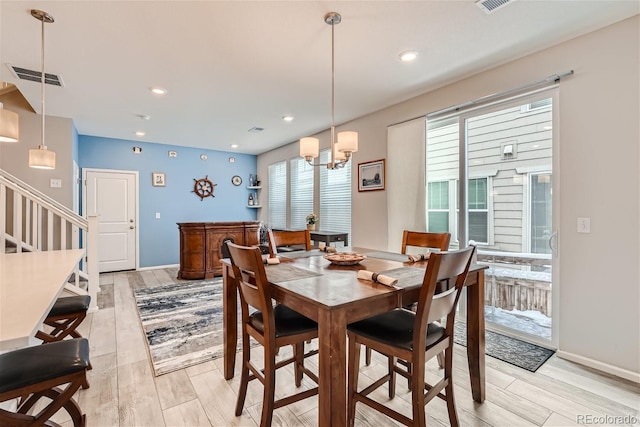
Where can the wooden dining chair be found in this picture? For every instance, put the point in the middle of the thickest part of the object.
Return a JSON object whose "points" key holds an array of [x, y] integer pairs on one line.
{"points": [[425, 240], [415, 338], [47, 375], [421, 239], [271, 326], [280, 239]]}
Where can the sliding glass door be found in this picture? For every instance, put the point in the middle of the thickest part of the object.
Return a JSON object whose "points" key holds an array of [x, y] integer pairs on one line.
{"points": [[503, 156]]}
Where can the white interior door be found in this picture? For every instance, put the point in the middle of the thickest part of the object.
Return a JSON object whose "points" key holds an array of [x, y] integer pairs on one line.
{"points": [[112, 195]]}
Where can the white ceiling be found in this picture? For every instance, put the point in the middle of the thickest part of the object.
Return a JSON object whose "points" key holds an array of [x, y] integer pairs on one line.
{"points": [[233, 65]]}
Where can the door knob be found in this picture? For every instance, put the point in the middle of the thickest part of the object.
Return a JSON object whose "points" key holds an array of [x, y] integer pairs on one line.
{"points": [[131, 227]]}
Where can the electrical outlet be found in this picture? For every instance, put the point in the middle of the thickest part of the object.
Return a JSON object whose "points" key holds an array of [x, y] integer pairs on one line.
{"points": [[157, 215]]}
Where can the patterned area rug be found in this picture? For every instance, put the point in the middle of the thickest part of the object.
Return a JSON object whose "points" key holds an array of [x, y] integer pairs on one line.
{"points": [[511, 350], [182, 322]]}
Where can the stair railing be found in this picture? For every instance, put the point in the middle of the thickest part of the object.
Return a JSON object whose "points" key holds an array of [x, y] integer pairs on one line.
{"points": [[32, 221]]}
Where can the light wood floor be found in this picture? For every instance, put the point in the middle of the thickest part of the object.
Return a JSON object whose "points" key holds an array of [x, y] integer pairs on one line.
{"points": [[124, 391]]}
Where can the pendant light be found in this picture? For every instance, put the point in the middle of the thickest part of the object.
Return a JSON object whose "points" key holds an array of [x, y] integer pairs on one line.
{"points": [[346, 142], [41, 158], [8, 125]]}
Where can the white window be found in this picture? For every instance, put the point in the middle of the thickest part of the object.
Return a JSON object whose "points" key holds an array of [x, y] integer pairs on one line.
{"points": [[438, 207], [278, 195], [540, 212], [301, 193], [335, 197]]}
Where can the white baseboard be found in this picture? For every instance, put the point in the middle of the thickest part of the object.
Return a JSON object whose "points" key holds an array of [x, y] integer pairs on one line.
{"points": [[157, 267], [604, 367]]}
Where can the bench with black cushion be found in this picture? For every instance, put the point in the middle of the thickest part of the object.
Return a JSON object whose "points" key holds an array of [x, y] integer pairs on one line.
{"points": [[54, 371], [65, 316]]}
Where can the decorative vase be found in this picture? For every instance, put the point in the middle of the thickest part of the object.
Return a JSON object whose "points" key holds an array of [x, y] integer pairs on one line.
{"points": [[311, 227]]}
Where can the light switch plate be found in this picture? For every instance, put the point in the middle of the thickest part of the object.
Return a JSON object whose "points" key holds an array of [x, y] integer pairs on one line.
{"points": [[584, 225], [157, 215], [55, 183]]}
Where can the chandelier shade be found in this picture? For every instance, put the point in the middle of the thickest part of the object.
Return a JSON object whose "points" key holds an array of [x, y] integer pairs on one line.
{"points": [[9, 131], [41, 158], [347, 142]]}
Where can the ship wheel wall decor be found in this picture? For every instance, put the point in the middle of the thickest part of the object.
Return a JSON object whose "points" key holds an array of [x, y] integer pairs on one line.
{"points": [[203, 187]]}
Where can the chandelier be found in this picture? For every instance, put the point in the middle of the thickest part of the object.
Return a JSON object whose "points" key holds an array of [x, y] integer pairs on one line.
{"points": [[346, 142], [41, 158]]}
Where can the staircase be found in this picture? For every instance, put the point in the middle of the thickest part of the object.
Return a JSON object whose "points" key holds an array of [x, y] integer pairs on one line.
{"points": [[32, 221]]}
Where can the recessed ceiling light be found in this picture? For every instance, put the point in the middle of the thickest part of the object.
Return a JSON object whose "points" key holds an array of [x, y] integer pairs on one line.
{"points": [[158, 90], [408, 56], [287, 118], [234, 145], [140, 133]]}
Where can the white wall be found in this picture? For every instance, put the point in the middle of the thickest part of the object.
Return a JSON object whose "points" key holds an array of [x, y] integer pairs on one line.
{"points": [[599, 178], [14, 157]]}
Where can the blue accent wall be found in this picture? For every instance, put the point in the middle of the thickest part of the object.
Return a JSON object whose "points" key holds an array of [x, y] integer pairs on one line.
{"points": [[159, 238]]}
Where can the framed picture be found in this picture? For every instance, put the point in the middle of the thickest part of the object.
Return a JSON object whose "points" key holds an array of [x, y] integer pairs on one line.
{"points": [[158, 179], [371, 175]]}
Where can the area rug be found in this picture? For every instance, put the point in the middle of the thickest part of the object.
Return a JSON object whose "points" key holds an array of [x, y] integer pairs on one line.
{"points": [[182, 322], [511, 350]]}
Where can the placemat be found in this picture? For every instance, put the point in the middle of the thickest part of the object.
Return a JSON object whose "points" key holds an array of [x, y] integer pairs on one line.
{"points": [[389, 256], [302, 254], [284, 272], [407, 276]]}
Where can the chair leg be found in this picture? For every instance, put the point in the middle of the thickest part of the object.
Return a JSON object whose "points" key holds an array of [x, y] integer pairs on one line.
{"points": [[244, 374], [298, 353], [367, 356], [269, 388], [391, 362], [352, 380], [417, 398], [448, 373], [440, 358], [59, 398]]}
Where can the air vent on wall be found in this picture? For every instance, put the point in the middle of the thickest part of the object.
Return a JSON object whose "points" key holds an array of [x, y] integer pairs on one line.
{"points": [[489, 6], [35, 76]]}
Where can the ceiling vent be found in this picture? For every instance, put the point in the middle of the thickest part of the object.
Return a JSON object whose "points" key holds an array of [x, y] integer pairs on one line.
{"points": [[256, 129], [36, 76], [490, 6]]}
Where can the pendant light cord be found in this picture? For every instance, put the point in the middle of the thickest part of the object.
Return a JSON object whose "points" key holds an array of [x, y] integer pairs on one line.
{"points": [[42, 81]]}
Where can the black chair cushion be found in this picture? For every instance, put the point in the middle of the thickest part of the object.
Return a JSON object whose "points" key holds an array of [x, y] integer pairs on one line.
{"points": [[68, 305], [288, 322], [32, 365], [395, 328]]}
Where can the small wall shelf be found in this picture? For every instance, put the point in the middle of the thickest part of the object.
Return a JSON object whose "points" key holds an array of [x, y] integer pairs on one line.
{"points": [[254, 189]]}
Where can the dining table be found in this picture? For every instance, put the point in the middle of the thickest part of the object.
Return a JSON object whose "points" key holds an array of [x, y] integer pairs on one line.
{"points": [[333, 296]]}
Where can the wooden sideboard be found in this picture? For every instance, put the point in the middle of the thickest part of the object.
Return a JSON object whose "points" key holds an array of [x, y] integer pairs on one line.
{"points": [[201, 245]]}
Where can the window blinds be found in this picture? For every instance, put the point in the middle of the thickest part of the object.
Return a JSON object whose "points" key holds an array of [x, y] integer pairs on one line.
{"points": [[278, 195], [301, 194], [335, 197]]}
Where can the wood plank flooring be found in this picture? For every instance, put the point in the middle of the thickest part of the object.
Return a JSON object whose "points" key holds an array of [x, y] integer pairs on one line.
{"points": [[124, 391]]}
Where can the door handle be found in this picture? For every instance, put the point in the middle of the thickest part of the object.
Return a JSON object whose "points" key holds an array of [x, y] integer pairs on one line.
{"points": [[553, 241], [131, 227]]}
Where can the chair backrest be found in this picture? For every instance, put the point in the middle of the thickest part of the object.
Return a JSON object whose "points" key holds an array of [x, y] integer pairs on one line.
{"points": [[251, 278], [452, 266], [425, 240], [288, 238]]}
